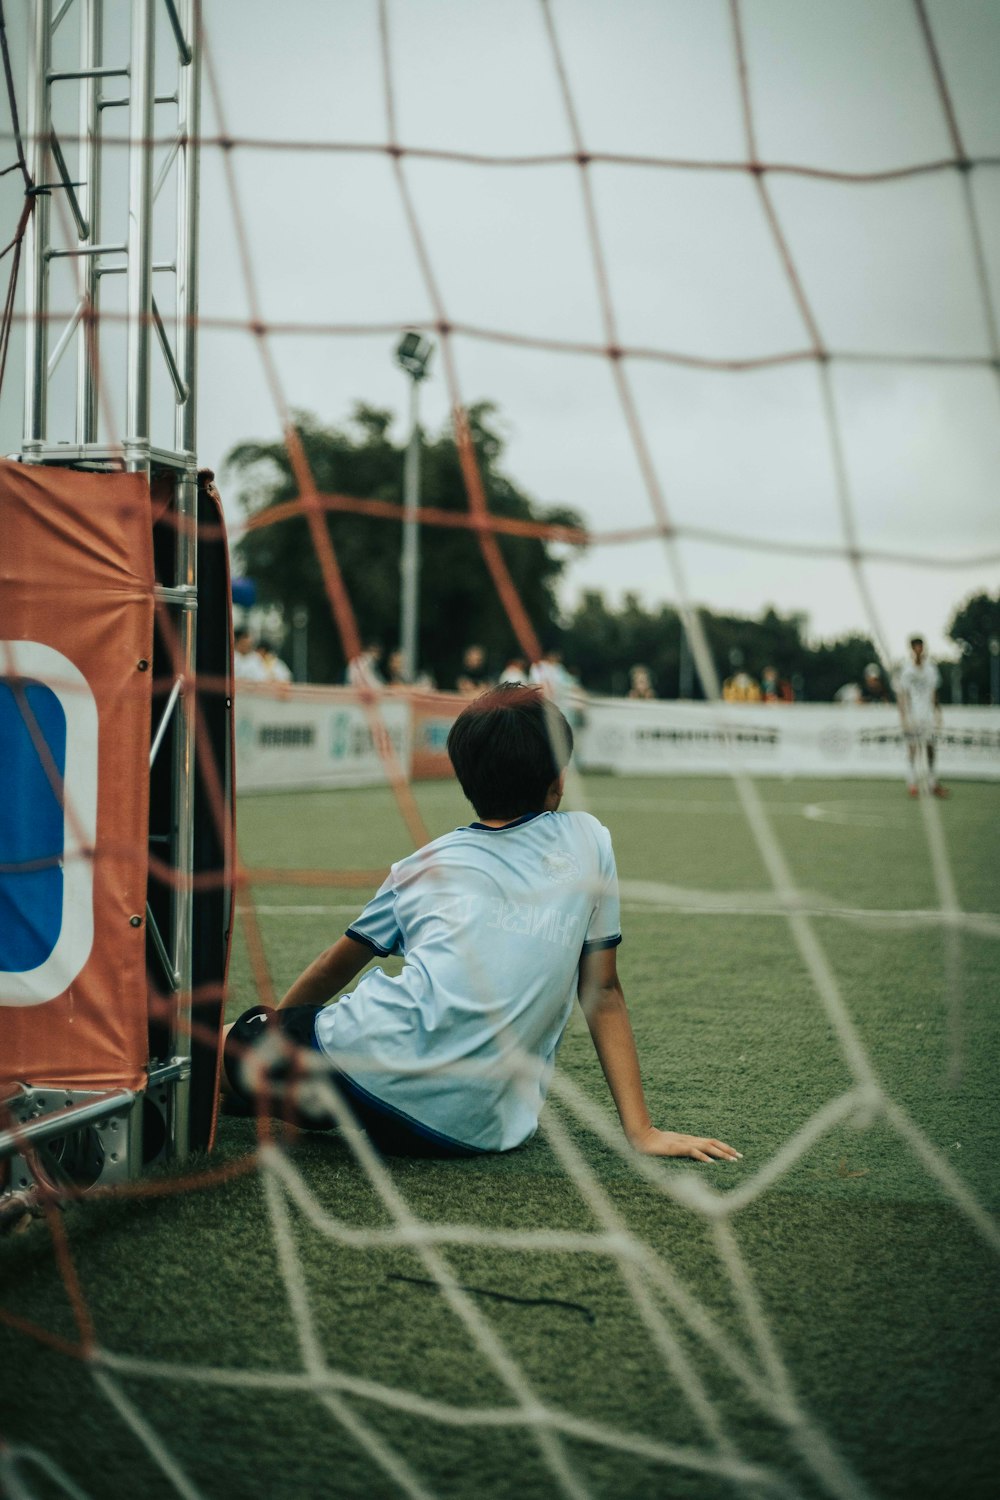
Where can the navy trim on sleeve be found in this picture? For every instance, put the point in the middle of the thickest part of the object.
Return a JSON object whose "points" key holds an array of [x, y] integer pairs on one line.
{"points": [[360, 937], [596, 944]]}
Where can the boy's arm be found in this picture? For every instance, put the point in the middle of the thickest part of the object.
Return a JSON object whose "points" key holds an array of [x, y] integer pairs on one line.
{"points": [[329, 973], [607, 1016]]}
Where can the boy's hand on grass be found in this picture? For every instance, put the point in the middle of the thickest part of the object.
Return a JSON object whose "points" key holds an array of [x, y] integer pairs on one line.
{"points": [[653, 1142]]}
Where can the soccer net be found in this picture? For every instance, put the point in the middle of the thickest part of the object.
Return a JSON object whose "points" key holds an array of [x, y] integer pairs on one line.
{"points": [[682, 1324]]}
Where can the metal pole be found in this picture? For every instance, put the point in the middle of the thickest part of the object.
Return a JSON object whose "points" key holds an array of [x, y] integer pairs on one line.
{"points": [[91, 46], [409, 564], [300, 643], [685, 684], [62, 1121], [184, 772], [185, 438], [185, 331], [140, 216], [37, 237], [994, 669]]}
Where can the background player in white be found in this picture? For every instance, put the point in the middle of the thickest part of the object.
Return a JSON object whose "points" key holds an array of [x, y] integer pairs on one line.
{"points": [[917, 691], [500, 924]]}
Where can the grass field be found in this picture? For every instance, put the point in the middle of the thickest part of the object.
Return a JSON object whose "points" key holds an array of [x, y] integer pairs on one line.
{"points": [[860, 1354]]}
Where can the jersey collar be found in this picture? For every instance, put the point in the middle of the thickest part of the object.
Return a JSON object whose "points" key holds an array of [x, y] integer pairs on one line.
{"points": [[517, 823]]}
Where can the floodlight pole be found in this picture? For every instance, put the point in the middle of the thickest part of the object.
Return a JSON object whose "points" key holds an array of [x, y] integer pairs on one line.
{"points": [[413, 356], [409, 565], [685, 675]]}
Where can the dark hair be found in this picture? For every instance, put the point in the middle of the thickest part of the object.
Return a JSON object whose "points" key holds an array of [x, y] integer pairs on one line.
{"points": [[507, 748], [916, 640]]}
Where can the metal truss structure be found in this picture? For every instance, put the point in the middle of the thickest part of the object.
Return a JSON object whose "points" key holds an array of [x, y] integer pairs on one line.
{"points": [[115, 226]]}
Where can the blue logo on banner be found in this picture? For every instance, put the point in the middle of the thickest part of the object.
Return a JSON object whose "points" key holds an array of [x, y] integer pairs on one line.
{"points": [[31, 823]]}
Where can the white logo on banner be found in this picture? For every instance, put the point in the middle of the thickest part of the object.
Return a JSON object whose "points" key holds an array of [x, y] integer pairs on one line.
{"points": [[31, 662]]}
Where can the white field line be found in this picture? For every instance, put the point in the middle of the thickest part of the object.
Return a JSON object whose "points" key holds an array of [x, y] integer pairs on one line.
{"points": [[832, 810], [653, 896]]}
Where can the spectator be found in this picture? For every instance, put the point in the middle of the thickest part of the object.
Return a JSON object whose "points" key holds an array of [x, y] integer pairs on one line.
{"points": [[640, 683], [740, 688], [874, 688], [775, 689], [473, 677], [275, 670], [395, 674], [363, 671], [516, 670], [248, 665], [559, 685], [395, 669], [549, 673]]}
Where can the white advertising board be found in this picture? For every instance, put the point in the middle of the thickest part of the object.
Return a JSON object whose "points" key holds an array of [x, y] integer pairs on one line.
{"points": [[310, 737], [300, 737], [802, 739]]}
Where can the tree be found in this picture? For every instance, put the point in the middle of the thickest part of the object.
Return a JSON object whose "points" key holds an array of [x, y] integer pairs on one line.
{"points": [[602, 644], [739, 644], [458, 602], [832, 664], [973, 626]]}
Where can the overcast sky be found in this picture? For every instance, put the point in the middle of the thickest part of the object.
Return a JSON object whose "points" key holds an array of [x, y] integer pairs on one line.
{"points": [[693, 269]]}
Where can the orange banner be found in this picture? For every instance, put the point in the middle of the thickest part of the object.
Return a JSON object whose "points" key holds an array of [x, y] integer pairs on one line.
{"points": [[433, 716], [76, 647]]}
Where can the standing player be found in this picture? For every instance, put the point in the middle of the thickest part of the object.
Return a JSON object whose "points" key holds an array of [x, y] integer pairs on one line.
{"points": [[921, 713]]}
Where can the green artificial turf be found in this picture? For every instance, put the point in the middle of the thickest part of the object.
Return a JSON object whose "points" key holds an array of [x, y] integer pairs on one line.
{"points": [[859, 1271]]}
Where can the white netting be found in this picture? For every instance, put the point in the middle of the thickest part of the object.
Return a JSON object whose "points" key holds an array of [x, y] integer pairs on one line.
{"points": [[660, 1299]]}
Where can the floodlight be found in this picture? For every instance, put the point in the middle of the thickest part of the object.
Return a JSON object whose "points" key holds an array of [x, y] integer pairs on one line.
{"points": [[414, 353]]}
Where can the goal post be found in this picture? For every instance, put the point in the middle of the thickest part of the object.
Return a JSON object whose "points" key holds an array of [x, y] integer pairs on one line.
{"points": [[114, 727]]}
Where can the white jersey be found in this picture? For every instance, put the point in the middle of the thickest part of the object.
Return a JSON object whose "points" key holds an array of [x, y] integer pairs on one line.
{"points": [[919, 685], [492, 923], [249, 667], [276, 670], [361, 672]]}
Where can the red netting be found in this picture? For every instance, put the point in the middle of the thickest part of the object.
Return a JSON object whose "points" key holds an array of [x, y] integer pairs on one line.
{"points": [[312, 503]]}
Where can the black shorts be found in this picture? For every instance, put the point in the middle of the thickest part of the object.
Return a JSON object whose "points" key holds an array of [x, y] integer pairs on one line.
{"points": [[281, 1070]]}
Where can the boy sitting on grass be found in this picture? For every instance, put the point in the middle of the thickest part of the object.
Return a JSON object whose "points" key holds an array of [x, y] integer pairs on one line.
{"points": [[499, 924]]}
